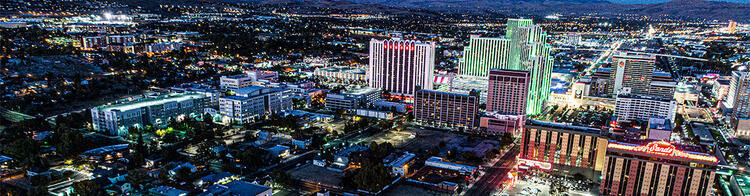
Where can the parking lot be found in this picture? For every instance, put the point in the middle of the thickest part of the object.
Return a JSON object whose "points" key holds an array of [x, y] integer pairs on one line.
{"points": [[535, 185]]}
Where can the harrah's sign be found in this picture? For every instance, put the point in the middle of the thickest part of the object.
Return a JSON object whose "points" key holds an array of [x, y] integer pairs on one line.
{"points": [[662, 148]]}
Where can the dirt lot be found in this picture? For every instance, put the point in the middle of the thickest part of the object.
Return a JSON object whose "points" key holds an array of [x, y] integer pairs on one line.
{"points": [[314, 173]]}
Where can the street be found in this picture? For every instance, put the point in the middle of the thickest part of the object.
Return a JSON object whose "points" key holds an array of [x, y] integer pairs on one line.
{"points": [[495, 175]]}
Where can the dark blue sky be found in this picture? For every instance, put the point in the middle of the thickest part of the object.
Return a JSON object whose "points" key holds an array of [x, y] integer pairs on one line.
{"points": [[662, 1]]}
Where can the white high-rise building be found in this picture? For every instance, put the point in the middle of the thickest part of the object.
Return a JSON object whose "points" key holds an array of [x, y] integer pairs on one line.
{"points": [[399, 66], [738, 99], [643, 108]]}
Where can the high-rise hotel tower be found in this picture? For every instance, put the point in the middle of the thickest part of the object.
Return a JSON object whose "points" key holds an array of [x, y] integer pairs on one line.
{"points": [[524, 48], [399, 66]]}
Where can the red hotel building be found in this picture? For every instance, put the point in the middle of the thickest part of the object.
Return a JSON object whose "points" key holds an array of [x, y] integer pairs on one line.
{"points": [[656, 168], [508, 91], [563, 147]]}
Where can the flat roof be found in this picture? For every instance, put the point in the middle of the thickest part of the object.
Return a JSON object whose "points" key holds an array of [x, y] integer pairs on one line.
{"points": [[347, 69], [105, 149], [143, 102], [360, 91], [239, 187], [402, 159], [238, 76], [248, 90], [444, 92], [278, 148], [561, 126], [235, 97], [165, 190], [462, 166]]}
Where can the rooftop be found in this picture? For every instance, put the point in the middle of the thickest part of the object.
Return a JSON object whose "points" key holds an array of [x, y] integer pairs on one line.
{"points": [[637, 55], [237, 188], [563, 126], [444, 92], [360, 91], [347, 69], [238, 76], [464, 168], [216, 177], [248, 90], [168, 191], [401, 160], [278, 148], [106, 149], [150, 101]]}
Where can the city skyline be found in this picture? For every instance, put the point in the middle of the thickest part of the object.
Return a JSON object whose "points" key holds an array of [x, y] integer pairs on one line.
{"points": [[374, 97]]}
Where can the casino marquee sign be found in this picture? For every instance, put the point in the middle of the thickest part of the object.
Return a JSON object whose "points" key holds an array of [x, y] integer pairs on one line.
{"points": [[663, 148]]}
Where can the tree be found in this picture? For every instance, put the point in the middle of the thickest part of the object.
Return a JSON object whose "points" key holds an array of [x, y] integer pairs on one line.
{"points": [[136, 178], [491, 154], [372, 177], [183, 174], [37, 191], [506, 139], [253, 157], [39, 180], [470, 156], [205, 153], [451, 155], [163, 176], [69, 142], [87, 188], [282, 178], [24, 129], [24, 149], [141, 150], [208, 119]]}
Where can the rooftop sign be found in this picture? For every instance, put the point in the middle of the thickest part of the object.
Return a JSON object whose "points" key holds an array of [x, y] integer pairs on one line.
{"points": [[662, 148]]}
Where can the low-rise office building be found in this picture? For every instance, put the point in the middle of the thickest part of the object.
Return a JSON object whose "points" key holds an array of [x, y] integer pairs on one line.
{"points": [[352, 98], [156, 110], [235, 82], [400, 166], [251, 103]]}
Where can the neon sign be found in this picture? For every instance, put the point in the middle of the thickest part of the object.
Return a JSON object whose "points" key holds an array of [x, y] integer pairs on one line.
{"points": [[662, 148], [533, 163]]}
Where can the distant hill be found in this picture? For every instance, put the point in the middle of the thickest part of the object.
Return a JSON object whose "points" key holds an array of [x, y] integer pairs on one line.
{"points": [[676, 8], [703, 9]]}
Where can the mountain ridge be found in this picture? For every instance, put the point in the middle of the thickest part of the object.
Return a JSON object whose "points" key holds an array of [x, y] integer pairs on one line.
{"points": [[689, 9]]}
